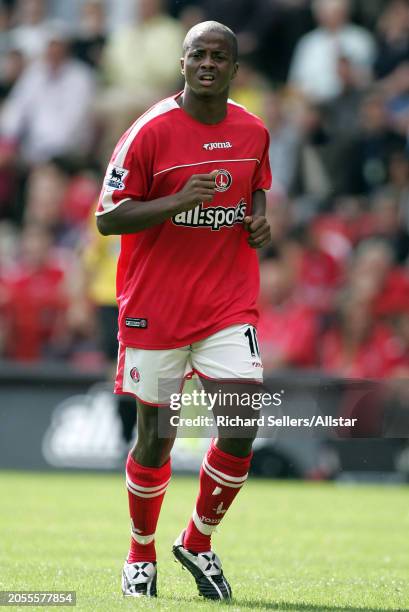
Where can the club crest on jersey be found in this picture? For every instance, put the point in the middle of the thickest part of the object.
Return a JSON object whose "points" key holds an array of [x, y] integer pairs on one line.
{"points": [[209, 146], [135, 375], [213, 217], [115, 178], [223, 180]]}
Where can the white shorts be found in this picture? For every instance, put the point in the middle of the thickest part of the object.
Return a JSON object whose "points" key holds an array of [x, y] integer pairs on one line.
{"points": [[152, 376]]}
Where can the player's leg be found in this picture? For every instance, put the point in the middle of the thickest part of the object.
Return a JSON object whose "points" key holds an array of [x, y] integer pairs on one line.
{"points": [[148, 468], [148, 472], [223, 356], [224, 469]]}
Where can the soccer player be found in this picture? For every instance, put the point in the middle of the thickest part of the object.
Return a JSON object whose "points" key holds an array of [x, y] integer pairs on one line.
{"points": [[185, 189]]}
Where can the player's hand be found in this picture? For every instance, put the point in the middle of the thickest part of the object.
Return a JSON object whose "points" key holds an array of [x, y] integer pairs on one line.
{"points": [[199, 188], [259, 231]]}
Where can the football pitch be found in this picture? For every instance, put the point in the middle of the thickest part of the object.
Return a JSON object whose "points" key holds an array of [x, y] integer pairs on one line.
{"points": [[284, 545]]}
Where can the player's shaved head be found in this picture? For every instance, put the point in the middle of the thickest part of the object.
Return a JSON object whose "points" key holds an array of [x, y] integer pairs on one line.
{"points": [[211, 26]]}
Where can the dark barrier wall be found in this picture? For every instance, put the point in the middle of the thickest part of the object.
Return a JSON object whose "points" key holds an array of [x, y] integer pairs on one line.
{"points": [[54, 417]]}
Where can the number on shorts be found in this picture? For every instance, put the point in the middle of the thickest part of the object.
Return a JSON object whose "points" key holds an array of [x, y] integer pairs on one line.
{"points": [[253, 344]]}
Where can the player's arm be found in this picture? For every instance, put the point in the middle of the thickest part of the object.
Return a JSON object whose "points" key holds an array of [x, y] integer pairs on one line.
{"points": [[133, 216], [257, 225]]}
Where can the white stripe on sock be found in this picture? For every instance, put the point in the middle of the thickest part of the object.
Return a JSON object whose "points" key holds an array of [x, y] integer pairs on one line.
{"points": [[146, 495], [138, 487], [223, 475], [204, 528], [142, 539], [219, 480]]}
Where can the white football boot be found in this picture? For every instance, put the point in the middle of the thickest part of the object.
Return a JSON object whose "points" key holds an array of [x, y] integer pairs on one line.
{"points": [[139, 579]]}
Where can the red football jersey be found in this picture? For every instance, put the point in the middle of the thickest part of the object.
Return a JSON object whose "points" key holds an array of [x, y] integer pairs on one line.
{"points": [[193, 275]]}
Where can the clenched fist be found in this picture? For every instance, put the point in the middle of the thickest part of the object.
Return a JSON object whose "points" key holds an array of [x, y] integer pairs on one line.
{"points": [[199, 188], [259, 231]]}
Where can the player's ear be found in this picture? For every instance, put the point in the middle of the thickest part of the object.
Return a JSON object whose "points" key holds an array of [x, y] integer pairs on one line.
{"points": [[182, 65], [235, 69]]}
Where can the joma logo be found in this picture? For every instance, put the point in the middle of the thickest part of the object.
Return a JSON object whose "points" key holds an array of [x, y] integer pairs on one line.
{"points": [[209, 146]]}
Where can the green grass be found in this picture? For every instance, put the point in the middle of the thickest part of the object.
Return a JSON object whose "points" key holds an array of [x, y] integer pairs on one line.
{"points": [[284, 546]]}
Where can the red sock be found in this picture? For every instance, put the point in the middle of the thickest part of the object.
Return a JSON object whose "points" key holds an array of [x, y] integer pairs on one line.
{"points": [[221, 478], [146, 490]]}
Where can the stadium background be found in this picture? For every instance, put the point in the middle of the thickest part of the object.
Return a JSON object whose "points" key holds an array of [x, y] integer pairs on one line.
{"points": [[333, 89]]}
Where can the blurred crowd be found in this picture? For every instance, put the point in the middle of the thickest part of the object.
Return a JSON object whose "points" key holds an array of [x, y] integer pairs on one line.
{"points": [[331, 80]]}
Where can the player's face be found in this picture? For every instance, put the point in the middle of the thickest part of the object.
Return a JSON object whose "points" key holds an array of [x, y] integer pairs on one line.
{"points": [[208, 64]]}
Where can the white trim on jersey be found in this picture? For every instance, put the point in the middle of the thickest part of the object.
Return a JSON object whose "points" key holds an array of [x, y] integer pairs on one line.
{"points": [[159, 109], [104, 212], [230, 101], [210, 161]]}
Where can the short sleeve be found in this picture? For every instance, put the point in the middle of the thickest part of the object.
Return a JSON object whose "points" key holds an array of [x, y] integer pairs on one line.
{"points": [[129, 172], [262, 175]]}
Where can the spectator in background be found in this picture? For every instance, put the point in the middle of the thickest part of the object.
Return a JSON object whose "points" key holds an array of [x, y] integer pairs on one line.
{"points": [[343, 122], [248, 89], [253, 21], [393, 38], [279, 216], [267, 30], [343, 227], [340, 113], [190, 15], [369, 268], [37, 300], [293, 19], [356, 346], [312, 182], [60, 197], [374, 275], [139, 66], [314, 66], [399, 183], [12, 67], [8, 257], [119, 12], [372, 149], [396, 91], [45, 192], [48, 112], [91, 38], [317, 273], [5, 36], [388, 225], [284, 139], [287, 330], [401, 325], [366, 13], [30, 36]]}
